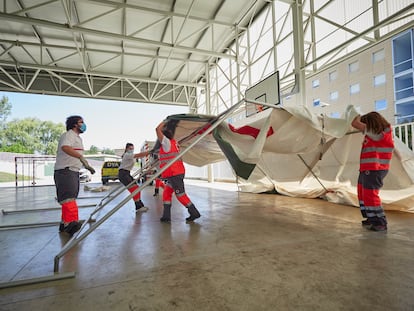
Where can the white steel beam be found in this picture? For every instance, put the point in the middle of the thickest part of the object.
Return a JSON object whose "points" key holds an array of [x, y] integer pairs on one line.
{"points": [[105, 34]]}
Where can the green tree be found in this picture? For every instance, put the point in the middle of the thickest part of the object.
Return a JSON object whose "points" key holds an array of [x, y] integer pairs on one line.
{"points": [[31, 135], [49, 134], [108, 151], [92, 150], [21, 133], [16, 148], [5, 109]]}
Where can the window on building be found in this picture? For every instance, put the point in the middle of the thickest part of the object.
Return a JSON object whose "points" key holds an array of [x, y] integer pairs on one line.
{"points": [[315, 83], [403, 52], [333, 75], [333, 95], [402, 61], [378, 56], [316, 102], [404, 86], [379, 80], [353, 67], [405, 112], [380, 105], [354, 88]]}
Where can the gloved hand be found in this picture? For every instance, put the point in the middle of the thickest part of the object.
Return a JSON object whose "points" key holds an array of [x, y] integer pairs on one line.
{"points": [[86, 165]]}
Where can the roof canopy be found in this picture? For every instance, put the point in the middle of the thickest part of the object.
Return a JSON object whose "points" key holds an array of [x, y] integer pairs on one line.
{"points": [[160, 51]]}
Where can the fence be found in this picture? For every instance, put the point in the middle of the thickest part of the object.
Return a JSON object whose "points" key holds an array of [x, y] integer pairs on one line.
{"points": [[33, 167], [31, 170], [405, 133]]}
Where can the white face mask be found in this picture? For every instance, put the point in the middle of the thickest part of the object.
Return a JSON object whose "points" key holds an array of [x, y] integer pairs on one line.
{"points": [[130, 151]]}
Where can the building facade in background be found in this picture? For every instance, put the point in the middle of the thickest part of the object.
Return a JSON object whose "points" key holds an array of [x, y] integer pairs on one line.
{"points": [[379, 78]]}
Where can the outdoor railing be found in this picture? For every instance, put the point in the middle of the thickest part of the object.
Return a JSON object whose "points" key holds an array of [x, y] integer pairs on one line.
{"points": [[405, 133]]}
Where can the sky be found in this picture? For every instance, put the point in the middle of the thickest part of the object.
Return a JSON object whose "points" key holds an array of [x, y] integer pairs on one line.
{"points": [[110, 124]]}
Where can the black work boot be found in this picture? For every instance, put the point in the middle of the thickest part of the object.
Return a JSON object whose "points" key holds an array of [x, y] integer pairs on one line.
{"points": [[156, 191], [194, 214], [139, 207], [72, 227], [166, 215]]}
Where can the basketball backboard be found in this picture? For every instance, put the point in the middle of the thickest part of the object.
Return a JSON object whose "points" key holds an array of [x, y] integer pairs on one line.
{"points": [[265, 91]]}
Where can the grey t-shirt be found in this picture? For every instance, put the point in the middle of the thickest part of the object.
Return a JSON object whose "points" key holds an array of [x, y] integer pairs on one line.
{"points": [[128, 161], [63, 160]]}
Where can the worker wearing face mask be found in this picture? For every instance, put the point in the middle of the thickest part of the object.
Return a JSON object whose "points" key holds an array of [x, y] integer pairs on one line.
{"points": [[124, 174], [69, 161]]}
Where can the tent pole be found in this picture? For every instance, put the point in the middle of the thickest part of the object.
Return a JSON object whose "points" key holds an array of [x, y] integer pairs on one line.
{"points": [[310, 170], [43, 279]]}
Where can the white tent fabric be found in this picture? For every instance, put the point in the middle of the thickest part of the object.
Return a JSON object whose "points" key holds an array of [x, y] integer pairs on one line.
{"points": [[296, 153]]}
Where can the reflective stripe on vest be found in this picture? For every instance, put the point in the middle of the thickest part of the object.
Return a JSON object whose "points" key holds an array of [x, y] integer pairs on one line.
{"points": [[177, 167], [164, 157], [376, 155]]}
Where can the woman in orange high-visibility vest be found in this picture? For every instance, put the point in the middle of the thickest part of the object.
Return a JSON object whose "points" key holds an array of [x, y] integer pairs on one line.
{"points": [[173, 176], [376, 154]]}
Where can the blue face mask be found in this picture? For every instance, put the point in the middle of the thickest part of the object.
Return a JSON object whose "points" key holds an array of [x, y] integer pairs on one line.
{"points": [[82, 128], [130, 151]]}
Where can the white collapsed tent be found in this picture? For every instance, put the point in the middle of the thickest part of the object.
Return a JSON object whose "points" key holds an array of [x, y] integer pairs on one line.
{"points": [[290, 151]]}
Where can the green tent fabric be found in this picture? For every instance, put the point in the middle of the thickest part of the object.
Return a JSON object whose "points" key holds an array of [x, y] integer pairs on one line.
{"points": [[241, 168]]}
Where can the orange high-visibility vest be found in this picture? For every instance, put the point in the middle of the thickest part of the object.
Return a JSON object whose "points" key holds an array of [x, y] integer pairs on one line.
{"points": [[175, 169], [376, 155]]}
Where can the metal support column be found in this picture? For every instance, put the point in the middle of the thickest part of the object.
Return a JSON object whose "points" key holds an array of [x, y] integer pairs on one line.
{"points": [[298, 51], [210, 173]]}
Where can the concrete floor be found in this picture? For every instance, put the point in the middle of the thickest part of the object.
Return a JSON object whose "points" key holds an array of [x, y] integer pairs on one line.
{"points": [[247, 252]]}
